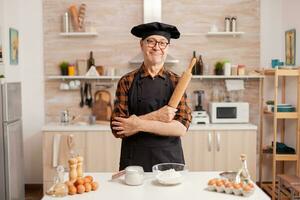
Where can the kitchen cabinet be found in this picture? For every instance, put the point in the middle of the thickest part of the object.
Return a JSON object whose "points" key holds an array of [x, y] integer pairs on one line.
{"points": [[102, 152], [220, 150], [99, 149]]}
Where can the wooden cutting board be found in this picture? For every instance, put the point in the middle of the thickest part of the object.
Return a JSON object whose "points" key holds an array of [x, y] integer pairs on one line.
{"points": [[102, 108]]}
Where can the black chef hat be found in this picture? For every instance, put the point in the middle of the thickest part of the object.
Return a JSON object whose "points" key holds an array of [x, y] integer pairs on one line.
{"points": [[155, 28]]}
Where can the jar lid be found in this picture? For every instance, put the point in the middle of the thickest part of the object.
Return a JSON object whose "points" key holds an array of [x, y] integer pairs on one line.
{"points": [[133, 169]]}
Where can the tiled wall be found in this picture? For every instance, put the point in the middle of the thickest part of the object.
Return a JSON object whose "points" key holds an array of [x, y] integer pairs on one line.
{"points": [[115, 46]]}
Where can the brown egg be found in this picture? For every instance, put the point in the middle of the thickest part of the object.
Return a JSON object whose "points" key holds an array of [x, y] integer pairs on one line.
{"points": [[246, 188], [79, 181], [236, 186], [80, 189], [94, 186], [88, 187], [87, 180], [72, 190], [219, 183], [89, 177], [69, 183], [251, 185], [229, 185], [212, 182]]}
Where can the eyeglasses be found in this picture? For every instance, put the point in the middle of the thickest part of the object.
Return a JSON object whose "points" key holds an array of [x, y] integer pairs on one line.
{"points": [[161, 44]]}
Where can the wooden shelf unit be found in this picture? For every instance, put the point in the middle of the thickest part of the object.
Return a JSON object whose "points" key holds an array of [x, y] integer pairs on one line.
{"points": [[279, 74]]}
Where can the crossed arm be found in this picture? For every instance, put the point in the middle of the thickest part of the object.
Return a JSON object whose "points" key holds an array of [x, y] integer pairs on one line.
{"points": [[158, 122]]}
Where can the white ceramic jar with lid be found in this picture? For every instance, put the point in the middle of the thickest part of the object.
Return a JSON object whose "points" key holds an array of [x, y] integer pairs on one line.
{"points": [[134, 175]]}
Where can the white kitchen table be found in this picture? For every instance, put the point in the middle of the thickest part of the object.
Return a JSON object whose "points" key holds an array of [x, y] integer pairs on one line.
{"points": [[193, 187]]}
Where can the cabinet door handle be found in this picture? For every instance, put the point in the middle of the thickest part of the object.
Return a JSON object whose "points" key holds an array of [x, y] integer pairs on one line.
{"points": [[55, 149], [209, 142], [218, 141]]}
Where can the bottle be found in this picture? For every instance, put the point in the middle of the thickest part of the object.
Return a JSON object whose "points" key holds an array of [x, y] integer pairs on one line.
{"points": [[243, 175], [66, 23], [201, 65], [233, 24], [90, 61], [196, 68], [227, 24], [59, 188]]}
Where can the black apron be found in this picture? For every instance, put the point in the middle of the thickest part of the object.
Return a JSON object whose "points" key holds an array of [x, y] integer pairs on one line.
{"points": [[146, 149]]}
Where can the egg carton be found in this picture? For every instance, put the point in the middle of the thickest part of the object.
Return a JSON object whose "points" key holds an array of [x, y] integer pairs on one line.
{"points": [[227, 187]]}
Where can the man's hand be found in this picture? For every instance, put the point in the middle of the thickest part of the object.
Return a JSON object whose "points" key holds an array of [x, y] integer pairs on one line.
{"points": [[165, 114], [126, 126]]}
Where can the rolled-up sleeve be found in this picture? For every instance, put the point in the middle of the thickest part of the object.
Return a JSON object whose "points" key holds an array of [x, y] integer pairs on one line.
{"points": [[183, 114], [120, 103]]}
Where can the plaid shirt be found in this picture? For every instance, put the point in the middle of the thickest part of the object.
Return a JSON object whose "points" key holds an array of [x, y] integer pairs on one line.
{"points": [[183, 113]]}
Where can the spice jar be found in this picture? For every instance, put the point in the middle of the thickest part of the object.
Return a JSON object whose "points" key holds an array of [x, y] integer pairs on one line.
{"points": [[71, 70], [227, 24], [241, 69], [233, 24], [134, 175]]}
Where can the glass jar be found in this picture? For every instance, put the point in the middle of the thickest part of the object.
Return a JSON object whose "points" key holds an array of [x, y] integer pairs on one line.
{"points": [[134, 175]]}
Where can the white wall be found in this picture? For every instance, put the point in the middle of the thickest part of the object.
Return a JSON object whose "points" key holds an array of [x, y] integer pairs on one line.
{"points": [[26, 17], [32, 75], [270, 29]]}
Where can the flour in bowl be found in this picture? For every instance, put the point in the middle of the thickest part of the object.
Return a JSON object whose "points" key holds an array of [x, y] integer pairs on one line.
{"points": [[169, 176]]}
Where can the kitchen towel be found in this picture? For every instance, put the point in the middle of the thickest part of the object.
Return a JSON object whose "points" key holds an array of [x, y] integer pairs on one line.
{"points": [[232, 85]]}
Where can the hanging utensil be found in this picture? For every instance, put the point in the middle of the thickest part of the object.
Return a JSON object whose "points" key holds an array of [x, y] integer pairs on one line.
{"points": [[81, 104], [86, 102], [90, 95]]}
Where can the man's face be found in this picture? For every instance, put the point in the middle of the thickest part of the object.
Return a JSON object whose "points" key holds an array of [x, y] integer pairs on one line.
{"points": [[155, 49]]}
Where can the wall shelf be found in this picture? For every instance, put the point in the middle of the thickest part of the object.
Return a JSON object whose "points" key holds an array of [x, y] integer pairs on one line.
{"points": [[234, 34], [83, 77], [118, 77], [79, 34], [227, 77]]}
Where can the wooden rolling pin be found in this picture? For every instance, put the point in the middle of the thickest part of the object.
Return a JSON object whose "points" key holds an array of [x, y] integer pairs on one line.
{"points": [[182, 85]]}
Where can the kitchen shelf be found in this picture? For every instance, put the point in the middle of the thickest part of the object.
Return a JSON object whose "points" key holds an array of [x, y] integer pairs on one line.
{"points": [[227, 77], [83, 77], [279, 78], [79, 34], [225, 33], [282, 115], [282, 72]]}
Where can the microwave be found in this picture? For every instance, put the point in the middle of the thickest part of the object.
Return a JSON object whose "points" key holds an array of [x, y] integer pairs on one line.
{"points": [[229, 112]]}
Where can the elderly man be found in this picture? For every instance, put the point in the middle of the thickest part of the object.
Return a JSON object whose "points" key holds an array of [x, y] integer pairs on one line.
{"points": [[149, 128]]}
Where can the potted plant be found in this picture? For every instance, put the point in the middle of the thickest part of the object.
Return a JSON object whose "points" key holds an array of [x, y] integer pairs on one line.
{"points": [[219, 68], [64, 68]]}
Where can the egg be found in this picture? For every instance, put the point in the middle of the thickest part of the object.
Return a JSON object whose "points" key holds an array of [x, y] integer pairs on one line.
{"points": [[79, 181], [88, 187], [89, 177], [69, 183], [247, 188], [219, 183], [87, 180], [236, 186], [72, 190], [80, 189], [212, 182], [251, 185], [94, 186], [229, 185]]}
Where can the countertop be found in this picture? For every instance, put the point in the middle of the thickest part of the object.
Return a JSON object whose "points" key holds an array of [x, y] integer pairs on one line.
{"points": [[193, 187], [51, 127]]}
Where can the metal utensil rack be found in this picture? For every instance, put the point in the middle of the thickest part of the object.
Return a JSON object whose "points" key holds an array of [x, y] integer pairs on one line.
{"points": [[278, 74]]}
